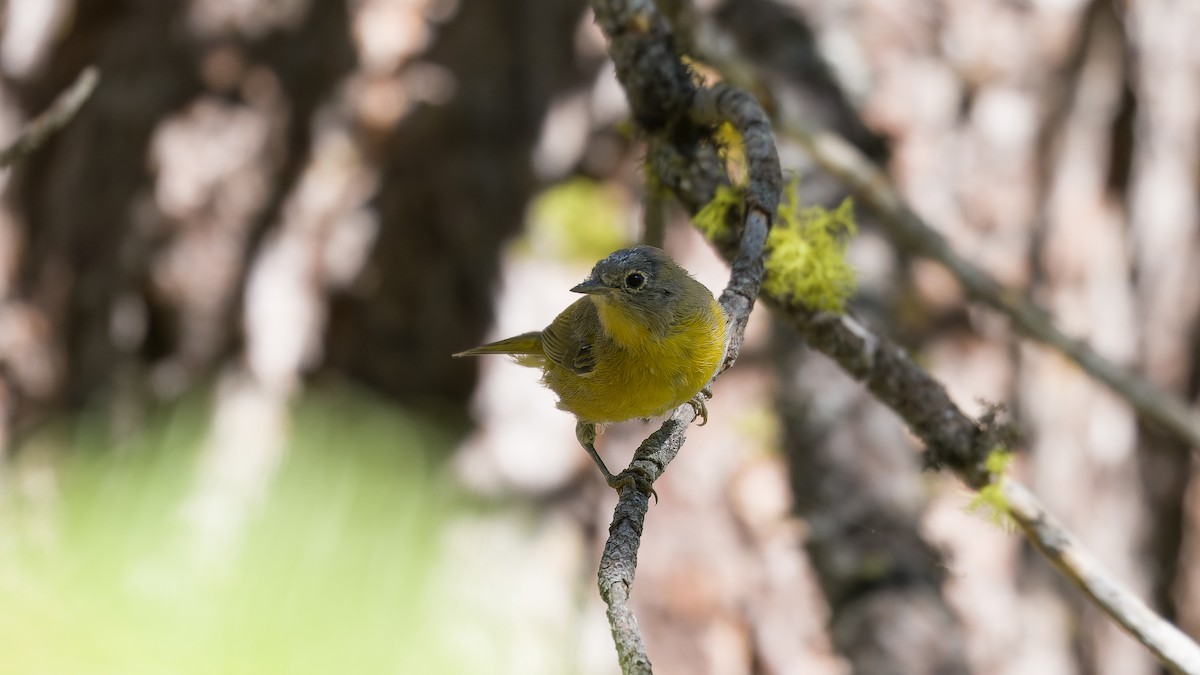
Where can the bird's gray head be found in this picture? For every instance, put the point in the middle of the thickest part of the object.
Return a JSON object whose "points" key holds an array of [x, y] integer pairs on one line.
{"points": [[645, 280]]}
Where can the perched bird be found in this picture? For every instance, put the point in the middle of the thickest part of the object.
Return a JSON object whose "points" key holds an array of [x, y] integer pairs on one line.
{"points": [[646, 338]]}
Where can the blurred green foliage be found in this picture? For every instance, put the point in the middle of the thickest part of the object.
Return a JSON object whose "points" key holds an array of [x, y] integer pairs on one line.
{"points": [[100, 572], [578, 219]]}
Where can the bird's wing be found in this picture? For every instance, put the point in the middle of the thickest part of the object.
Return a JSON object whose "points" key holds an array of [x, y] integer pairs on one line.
{"points": [[569, 340]]}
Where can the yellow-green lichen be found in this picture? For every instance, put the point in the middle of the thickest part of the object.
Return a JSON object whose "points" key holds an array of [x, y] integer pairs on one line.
{"points": [[998, 460], [732, 150], [989, 502], [806, 254], [711, 219], [805, 251]]}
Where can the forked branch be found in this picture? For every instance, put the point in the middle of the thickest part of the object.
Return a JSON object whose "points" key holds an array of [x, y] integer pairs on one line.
{"points": [[673, 111]]}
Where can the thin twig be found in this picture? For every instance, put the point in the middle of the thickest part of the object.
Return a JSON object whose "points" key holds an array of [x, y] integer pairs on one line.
{"points": [[1061, 548], [54, 118], [670, 107], [954, 441]]}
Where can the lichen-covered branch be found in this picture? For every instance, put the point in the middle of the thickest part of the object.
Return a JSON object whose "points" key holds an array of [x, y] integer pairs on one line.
{"points": [[954, 441], [675, 113], [848, 164], [62, 111], [871, 185]]}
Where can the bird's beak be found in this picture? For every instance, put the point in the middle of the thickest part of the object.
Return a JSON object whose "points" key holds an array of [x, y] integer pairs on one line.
{"points": [[592, 287]]}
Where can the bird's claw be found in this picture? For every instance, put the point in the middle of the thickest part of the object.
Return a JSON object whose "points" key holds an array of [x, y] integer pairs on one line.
{"points": [[634, 477], [698, 404]]}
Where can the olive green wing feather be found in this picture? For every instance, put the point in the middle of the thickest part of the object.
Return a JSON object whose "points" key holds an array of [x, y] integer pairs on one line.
{"points": [[570, 339]]}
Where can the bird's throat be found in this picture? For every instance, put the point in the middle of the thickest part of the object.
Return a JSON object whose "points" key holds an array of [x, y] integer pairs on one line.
{"points": [[623, 324]]}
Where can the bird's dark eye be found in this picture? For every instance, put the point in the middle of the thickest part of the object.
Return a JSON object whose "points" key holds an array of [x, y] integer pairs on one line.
{"points": [[635, 280]]}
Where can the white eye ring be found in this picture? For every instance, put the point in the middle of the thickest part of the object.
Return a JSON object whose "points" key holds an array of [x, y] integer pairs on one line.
{"points": [[635, 280]]}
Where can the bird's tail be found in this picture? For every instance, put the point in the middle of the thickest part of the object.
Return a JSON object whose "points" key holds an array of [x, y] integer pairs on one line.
{"points": [[525, 343]]}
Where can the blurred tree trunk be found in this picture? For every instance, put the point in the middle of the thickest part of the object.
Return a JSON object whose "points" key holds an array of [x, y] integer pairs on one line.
{"points": [[135, 230], [134, 243], [194, 222], [858, 486], [1163, 173], [1082, 440], [856, 481], [1068, 132], [80, 251], [454, 184]]}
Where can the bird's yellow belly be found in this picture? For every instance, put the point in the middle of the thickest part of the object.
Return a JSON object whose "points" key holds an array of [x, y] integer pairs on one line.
{"points": [[651, 379]]}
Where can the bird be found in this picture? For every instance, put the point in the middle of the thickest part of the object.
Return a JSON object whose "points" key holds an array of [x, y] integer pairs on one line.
{"points": [[646, 338]]}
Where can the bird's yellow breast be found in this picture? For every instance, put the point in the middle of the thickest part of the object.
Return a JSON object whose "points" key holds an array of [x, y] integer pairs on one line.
{"points": [[640, 373]]}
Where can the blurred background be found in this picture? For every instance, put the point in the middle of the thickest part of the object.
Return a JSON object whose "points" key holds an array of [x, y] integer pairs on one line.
{"points": [[234, 441]]}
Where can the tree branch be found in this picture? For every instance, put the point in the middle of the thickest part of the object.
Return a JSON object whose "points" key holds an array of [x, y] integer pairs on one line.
{"points": [[952, 440], [63, 110], [1060, 547], [870, 184], [956, 442], [669, 106], [680, 157]]}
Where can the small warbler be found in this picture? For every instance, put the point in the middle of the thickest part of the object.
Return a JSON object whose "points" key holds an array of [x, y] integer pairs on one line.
{"points": [[645, 339]]}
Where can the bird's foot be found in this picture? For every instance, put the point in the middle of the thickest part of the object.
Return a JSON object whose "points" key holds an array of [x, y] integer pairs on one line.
{"points": [[698, 404], [634, 477]]}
